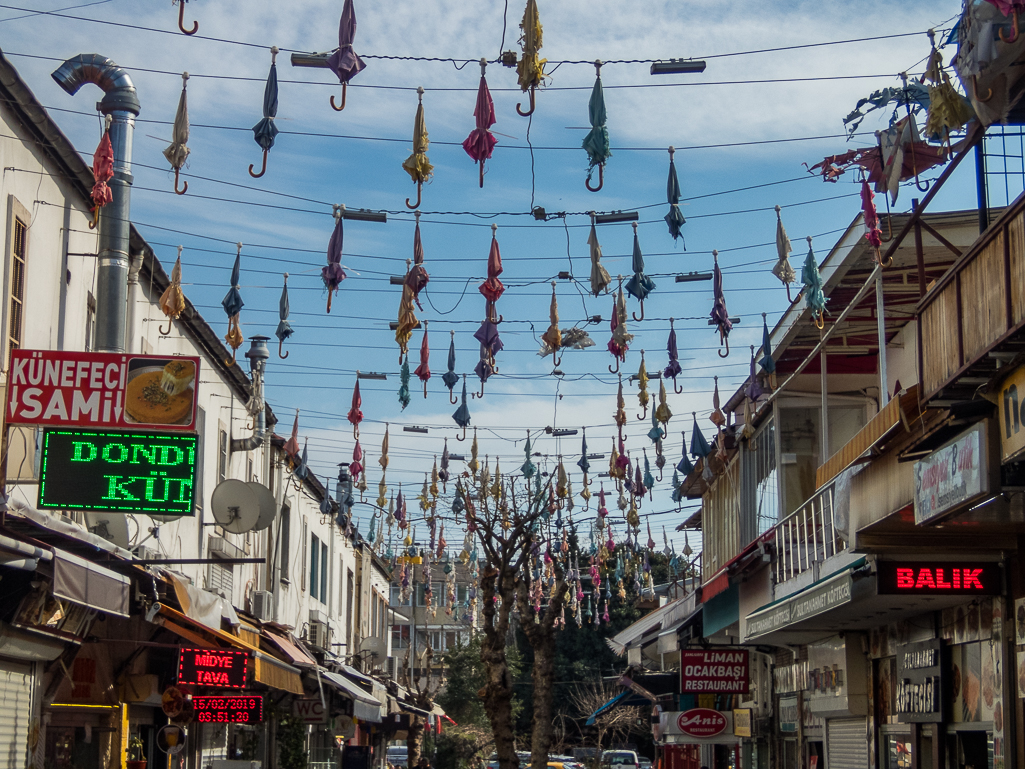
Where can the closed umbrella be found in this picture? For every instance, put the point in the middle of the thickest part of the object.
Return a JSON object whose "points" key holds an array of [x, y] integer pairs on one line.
{"points": [[292, 444], [233, 304], [814, 299], [767, 362], [685, 466], [642, 388], [417, 165], [404, 396], [698, 445], [717, 417], [423, 371], [873, 234], [656, 433], [596, 143], [484, 369], [177, 152], [382, 487], [481, 142], [332, 274], [302, 470], [103, 172], [621, 338], [754, 389], [528, 468], [355, 416], [450, 377], [783, 269], [530, 69], [172, 301], [356, 466], [649, 479], [417, 277], [600, 279], [492, 288], [284, 329], [662, 412], [620, 415], [552, 338], [462, 415], [674, 369], [181, 19], [674, 218], [407, 316], [265, 131], [345, 62], [720, 315], [640, 285]]}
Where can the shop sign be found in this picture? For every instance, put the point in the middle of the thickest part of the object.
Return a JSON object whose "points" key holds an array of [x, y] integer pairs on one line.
{"points": [[1011, 414], [309, 711], [232, 709], [701, 722], [714, 671], [812, 602], [952, 477], [789, 714], [218, 668], [99, 390], [123, 472], [790, 678], [920, 669], [938, 578], [742, 722]]}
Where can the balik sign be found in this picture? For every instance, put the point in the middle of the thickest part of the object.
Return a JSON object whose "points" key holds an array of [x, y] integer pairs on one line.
{"points": [[702, 722]]}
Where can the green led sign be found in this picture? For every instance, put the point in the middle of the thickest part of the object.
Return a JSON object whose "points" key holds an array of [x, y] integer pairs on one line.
{"points": [[118, 471]]}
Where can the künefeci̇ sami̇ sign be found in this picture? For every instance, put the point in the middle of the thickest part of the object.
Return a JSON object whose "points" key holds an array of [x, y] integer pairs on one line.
{"points": [[219, 668], [714, 671], [953, 476]]}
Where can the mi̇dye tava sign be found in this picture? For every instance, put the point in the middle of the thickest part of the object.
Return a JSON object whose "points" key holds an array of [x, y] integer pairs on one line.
{"points": [[219, 668], [117, 471]]}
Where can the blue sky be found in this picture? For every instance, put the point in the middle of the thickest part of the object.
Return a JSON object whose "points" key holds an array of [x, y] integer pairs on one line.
{"points": [[719, 122]]}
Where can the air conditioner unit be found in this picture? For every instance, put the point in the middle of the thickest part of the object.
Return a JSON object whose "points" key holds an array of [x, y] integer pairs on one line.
{"points": [[759, 696], [392, 668], [263, 605], [144, 553], [318, 634], [222, 548]]}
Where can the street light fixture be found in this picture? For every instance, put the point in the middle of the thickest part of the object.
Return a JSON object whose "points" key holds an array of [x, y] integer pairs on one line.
{"points": [[677, 66]]}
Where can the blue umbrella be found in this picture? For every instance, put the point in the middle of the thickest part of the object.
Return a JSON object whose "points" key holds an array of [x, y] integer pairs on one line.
{"points": [[404, 396], [284, 329], [462, 414], [684, 465], [674, 218], [698, 445], [528, 468], [656, 433], [302, 470], [450, 377], [233, 304], [814, 299], [640, 285], [649, 479], [597, 140], [767, 362], [265, 131]]}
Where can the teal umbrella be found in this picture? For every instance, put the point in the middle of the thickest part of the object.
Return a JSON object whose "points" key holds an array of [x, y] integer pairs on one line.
{"points": [[674, 218], [284, 329], [814, 299], [597, 140], [640, 285], [698, 445], [265, 131]]}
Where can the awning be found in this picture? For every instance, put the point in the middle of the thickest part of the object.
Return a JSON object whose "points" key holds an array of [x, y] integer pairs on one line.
{"points": [[648, 624], [87, 584], [294, 654], [276, 674], [623, 699], [414, 709], [365, 706]]}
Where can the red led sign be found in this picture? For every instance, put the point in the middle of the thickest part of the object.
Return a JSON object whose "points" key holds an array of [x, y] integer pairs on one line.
{"points": [[237, 709], [212, 667], [933, 578]]}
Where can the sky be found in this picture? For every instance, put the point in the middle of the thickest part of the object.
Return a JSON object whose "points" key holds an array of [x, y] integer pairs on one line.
{"points": [[777, 84]]}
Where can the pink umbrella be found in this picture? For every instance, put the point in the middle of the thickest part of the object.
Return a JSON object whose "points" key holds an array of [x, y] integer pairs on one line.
{"points": [[356, 467], [481, 142], [423, 371], [417, 278], [355, 415], [103, 172], [492, 288], [873, 234], [345, 62], [292, 444]]}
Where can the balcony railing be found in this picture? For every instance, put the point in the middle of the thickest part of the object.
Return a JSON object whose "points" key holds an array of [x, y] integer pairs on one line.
{"points": [[807, 537]]}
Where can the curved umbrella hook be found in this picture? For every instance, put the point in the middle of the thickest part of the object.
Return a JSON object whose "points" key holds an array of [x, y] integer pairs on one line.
{"points": [[789, 299], [660, 471], [229, 362], [820, 322], [642, 417], [601, 179], [355, 431], [530, 112], [164, 332], [281, 342], [480, 394], [616, 369], [263, 170], [463, 436], [557, 361], [642, 313], [726, 340], [419, 191], [677, 389], [96, 218], [181, 20], [185, 185], [452, 397], [975, 87], [1014, 27], [344, 90]]}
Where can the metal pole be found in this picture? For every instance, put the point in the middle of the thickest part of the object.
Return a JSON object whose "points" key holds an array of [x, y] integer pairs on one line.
{"points": [[980, 185], [884, 387]]}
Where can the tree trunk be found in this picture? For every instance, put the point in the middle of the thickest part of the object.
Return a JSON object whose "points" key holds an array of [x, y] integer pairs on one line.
{"points": [[497, 693], [414, 739]]}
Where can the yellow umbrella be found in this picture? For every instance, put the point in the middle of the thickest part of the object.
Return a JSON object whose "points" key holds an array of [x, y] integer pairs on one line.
{"points": [[553, 337], [417, 165], [407, 317], [662, 412], [172, 301], [620, 415], [642, 384], [531, 68]]}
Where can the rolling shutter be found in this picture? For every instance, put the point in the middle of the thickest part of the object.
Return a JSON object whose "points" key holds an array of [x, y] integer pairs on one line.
{"points": [[847, 743], [15, 711]]}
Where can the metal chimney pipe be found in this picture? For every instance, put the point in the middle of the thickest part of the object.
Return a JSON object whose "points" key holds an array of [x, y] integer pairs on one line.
{"points": [[258, 355], [121, 103]]}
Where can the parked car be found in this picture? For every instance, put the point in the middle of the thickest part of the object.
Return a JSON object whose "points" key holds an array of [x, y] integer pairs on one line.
{"points": [[621, 759], [397, 756], [645, 763]]}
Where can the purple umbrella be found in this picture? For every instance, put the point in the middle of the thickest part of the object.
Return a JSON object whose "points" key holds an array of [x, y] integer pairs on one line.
{"points": [[417, 278], [345, 63], [674, 369], [481, 142], [333, 274], [423, 371], [720, 316]]}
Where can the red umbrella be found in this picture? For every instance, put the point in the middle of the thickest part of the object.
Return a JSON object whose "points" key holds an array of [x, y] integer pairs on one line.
{"points": [[873, 234], [292, 444], [423, 371], [481, 142], [103, 172], [355, 415], [356, 467], [492, 288]]}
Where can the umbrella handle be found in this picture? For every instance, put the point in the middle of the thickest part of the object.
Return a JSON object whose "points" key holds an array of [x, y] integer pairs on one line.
{"points": [[452, 397], [185, 185], [330, 293], [166, 332], [789, 299], [914, 165], [616, 369], [425, 388], [96, 218], [879, 259], [889, 223], [676, 388], [463, 436], [344, 90], [642, 313], [660, 471], [181, 20], [643, 416], [419, 191], [281, 342], [601, 179], [262, 170], [480, 394], [1014, 27], [557, 362], [355, 431], [820, 323], [726, 340], [975, 87], [482, 174], [530, 112]]}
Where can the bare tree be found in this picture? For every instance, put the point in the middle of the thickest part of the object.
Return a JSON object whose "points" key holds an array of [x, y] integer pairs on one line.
{"points": [[615, 724], [424, 686]]}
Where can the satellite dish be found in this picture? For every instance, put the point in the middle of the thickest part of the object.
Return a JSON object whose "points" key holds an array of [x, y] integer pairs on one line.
{"points": [[113, 527], [236, 506], [375, 648], [267, 505]]}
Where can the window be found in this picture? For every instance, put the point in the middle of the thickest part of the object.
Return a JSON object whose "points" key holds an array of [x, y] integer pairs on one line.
{"points": [[451, 640], [302, 560], [283, 540], [350, 597], [222, 455], [314, 570], [90, 321], [399, 636], [396, 596], [373, 614], [435, 638], [323, 572], [421, 600], [16, 293], [461, 594], [766, 490], [439, 594]]}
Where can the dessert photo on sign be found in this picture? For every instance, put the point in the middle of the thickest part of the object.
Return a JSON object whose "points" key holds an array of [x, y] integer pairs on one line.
{"points": [[160, 392]]}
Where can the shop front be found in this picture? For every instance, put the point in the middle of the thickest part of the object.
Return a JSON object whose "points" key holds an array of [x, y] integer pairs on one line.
{"points": [[704, 734]]}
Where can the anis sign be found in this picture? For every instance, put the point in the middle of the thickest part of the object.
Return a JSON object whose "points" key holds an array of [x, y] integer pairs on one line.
{"points": [[713, 671], [702, 722]]}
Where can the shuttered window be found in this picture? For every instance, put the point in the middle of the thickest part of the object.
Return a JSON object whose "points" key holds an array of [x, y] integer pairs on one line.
{"points": [[16, 294], [847, 746], [15, 711]]}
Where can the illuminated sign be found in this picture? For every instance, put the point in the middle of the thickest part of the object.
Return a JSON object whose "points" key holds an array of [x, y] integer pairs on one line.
{"points": [[932, 578], [239, 709], [713, 671], [120, 472], [101, 390], [702, 722], [920, 690], [212, 667]]}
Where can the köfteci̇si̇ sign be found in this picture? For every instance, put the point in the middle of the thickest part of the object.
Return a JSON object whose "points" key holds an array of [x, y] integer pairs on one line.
{"points": [[125, 472], [713, 671], [702, 722], [102, 390]]}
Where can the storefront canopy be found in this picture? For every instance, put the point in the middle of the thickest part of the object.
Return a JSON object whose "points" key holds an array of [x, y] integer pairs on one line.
{"points": [[626, 698], [365, 706], [79, 581]]}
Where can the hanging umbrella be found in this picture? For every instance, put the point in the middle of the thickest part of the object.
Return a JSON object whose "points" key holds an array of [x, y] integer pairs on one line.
{"points": [[284, 329], [948, 110], [181, 18], [640, 285], [677, 495], [462, 417], [484, 369], [698, 445], [265, 131], [754, 389], [620, 415], [674, 369], [417, 277], [782, 269], [492, 288], [662, 412], [355, 416], [356, 466], [444, 473], [418, 165], [233, 304], [814, 299], [103, 172], [642, 388], [621, 338], [552, 338], [720, 316], [528, 468], [717, 417], [596, 143], [450, 377], [684, 465], [302, 470], [674, 218], [404, 396], [333, 274], [172, 301], [423, 371], [292, 444], [649, 479], [600, 279], [530, 69], [481, 142], [656, 433], [407, 316], [382, 487], [178, 151], [873, 234], [767, 362], [344, 61]]}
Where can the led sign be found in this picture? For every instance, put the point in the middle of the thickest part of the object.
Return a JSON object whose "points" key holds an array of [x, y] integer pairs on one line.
{"points": [[237, 709], [943, 578], [212, 667], [117, 471]]}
